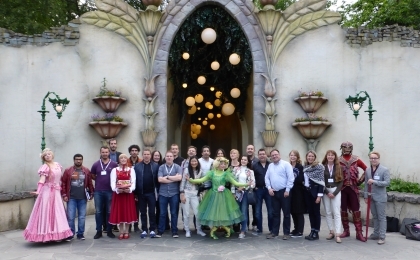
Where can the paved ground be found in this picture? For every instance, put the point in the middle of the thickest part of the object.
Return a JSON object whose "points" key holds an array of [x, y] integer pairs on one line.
{"points": [[13, 246]]}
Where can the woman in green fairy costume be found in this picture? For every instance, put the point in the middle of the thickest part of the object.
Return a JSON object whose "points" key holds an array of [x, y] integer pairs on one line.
{"points": [[218, 207]]}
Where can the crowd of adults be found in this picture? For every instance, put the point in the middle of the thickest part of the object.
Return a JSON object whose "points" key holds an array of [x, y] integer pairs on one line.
{"points": [[129, 189]]}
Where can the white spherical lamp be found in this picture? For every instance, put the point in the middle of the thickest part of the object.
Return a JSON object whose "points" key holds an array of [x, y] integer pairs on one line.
{"points": [[219, 115], [198, 108], [190, 101], [194, 136], [215, 65], [210, 106], [234, 59], [228, 109], [211, 115], [199, 119], [192, 110], [199, 98], [217, 102], [208, 35], [185, 55], [218, 94], [207, 104], [192, 127], [198, 127], [235, 92], [184, 85], [211, 88], [197, 131], [204, 122], [212, 127], [201, 80]]}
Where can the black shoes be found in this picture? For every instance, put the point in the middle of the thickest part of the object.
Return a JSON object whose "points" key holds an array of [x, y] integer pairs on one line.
{"points": [[98, 235], [312, 236], [110, 234]]}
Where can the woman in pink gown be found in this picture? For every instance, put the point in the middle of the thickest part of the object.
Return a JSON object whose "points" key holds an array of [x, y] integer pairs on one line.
{"points": [[48, 221]]}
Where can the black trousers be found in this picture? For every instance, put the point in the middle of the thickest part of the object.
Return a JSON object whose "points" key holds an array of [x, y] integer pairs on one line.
{"points": [[147, 206], [280, 203], [298, 222]]}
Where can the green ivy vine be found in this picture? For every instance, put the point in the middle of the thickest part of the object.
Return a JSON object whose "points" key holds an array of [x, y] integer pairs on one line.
{"points": [[230, 39]]}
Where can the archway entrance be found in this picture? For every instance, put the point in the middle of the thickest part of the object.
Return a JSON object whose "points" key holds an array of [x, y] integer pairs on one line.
{"points": [[210, 82]]}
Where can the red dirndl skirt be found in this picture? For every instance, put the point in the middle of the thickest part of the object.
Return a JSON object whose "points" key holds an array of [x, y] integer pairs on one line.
{"points": [[123, 209]]}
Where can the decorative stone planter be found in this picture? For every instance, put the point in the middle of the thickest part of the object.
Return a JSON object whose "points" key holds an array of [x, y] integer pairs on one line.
{"points": [[268, 2], [311, 129], [109, 104], [269, 138], [149, 138], [311, 104], [108, 129], [152, 2]]}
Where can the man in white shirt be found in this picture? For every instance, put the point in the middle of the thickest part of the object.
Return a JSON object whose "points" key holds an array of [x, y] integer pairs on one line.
{"points": [[279, 180], [206, 163]]}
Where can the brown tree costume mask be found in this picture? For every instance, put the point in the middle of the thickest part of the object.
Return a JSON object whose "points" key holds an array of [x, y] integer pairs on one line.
{"points": [[346, 148]]}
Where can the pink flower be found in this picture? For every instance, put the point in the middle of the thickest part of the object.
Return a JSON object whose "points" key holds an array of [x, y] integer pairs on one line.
{"points": [[221, 188]]}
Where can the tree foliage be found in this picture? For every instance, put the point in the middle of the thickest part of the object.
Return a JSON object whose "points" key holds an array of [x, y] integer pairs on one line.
{"points": [[377, 13]]}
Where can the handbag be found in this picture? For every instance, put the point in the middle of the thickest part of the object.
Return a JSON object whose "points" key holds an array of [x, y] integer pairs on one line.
{"points": [[405, 222], [392, 224], [412, 231], [252, 200]]}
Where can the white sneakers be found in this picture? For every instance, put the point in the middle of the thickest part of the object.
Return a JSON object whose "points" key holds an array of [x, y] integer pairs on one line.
{"points": [[187, 234], [201, 233]]}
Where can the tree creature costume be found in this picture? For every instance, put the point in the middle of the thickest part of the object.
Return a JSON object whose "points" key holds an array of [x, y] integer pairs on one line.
{"points": [[350, 192], [218, 207]]}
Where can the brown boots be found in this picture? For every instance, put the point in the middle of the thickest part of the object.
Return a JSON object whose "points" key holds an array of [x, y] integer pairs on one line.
{"points": [[345, 221], [357, 224]]}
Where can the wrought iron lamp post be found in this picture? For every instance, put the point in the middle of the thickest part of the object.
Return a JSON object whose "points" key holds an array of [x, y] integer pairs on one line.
{"points": [[355, 104], [59, 106]]}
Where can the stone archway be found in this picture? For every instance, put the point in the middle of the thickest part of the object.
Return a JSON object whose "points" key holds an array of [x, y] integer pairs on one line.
{"points": [[175, 15]]}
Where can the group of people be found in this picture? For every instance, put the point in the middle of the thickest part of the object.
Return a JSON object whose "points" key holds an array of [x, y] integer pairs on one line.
{"points": [[218, 192]]}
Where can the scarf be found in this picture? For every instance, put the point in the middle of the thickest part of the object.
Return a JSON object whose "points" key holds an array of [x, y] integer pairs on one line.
{"points": [[315, 173]]}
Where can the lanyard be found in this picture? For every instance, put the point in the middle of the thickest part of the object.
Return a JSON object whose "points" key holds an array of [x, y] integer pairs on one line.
{"points": [[166, 168], [102, 166], [373, 171], [330, 170]]}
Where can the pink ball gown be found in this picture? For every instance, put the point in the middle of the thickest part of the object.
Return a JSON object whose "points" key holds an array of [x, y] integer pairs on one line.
{"points": [[48, 221]]}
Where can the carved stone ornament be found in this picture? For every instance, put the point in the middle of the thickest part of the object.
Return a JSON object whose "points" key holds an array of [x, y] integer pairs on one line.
{"points": [[268, 2], [269, 138], [311, 104], [152, 2], [311, 129], [149, 137], [108, 129], [109, 104]]}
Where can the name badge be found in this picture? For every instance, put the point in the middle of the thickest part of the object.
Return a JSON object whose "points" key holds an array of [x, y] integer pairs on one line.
{"points": [[103, 172], [330, 180], [376, 177]]}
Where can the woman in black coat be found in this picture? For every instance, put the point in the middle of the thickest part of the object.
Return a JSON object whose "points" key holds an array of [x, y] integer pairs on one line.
{"points": [[313, 174], [298, 197]]}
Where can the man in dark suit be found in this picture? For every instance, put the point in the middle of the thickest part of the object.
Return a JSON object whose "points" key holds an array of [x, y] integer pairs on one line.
{"points": [[378, 177]]}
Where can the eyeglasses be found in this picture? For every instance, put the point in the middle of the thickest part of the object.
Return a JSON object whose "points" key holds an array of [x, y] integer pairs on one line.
{"points": [[373, 158]]}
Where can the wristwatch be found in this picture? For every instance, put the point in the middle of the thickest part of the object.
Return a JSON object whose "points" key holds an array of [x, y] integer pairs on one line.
{"points": [[167, 177]]}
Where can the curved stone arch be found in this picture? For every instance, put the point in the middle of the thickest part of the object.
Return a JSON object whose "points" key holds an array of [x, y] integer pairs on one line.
{"points": [[176, 13]]}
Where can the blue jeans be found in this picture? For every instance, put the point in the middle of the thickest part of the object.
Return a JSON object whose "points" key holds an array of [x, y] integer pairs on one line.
{"points": [[102, 201], [174, 208], [244, 207], [262, 194], [80, 206]]}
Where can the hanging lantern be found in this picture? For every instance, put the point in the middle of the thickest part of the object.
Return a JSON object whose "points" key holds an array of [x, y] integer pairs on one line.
{"points": [[211, 88], [217, 102], [198, 127], [192, 110], [197, 131], [204, 122], [185, 55], [201, 80], [199, 98], [219, 115], [210, 106], [235, 92], [228, 109], [215, 65], [211, 115], [194, 136], [192, 127], [218, 94], [212, 127], [208, 35], [234, 59], [199, 119], [190, 101], [207, 104], [184, 85], [198, 108]]}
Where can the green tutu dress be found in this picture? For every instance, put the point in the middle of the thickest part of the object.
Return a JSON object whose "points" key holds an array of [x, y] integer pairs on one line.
{"points": [[219, 208]]}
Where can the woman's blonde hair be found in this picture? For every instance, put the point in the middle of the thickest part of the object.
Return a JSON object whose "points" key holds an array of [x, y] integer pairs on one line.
{"points": [[296, 153], [218, 160], [306, 158], [45, 151]]}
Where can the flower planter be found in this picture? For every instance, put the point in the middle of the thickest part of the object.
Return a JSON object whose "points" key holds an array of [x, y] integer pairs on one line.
{"points": [[108, 129], [152, 2], [109, 104], [268, 2], [311, 129], [311, 104]]}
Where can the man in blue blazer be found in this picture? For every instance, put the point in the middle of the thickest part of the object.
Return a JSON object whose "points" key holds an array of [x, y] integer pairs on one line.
{"points": [[378, 177]]}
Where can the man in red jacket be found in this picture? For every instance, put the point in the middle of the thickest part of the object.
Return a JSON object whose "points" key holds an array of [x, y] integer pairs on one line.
{"points": [[77, 189], [350, 165]]}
